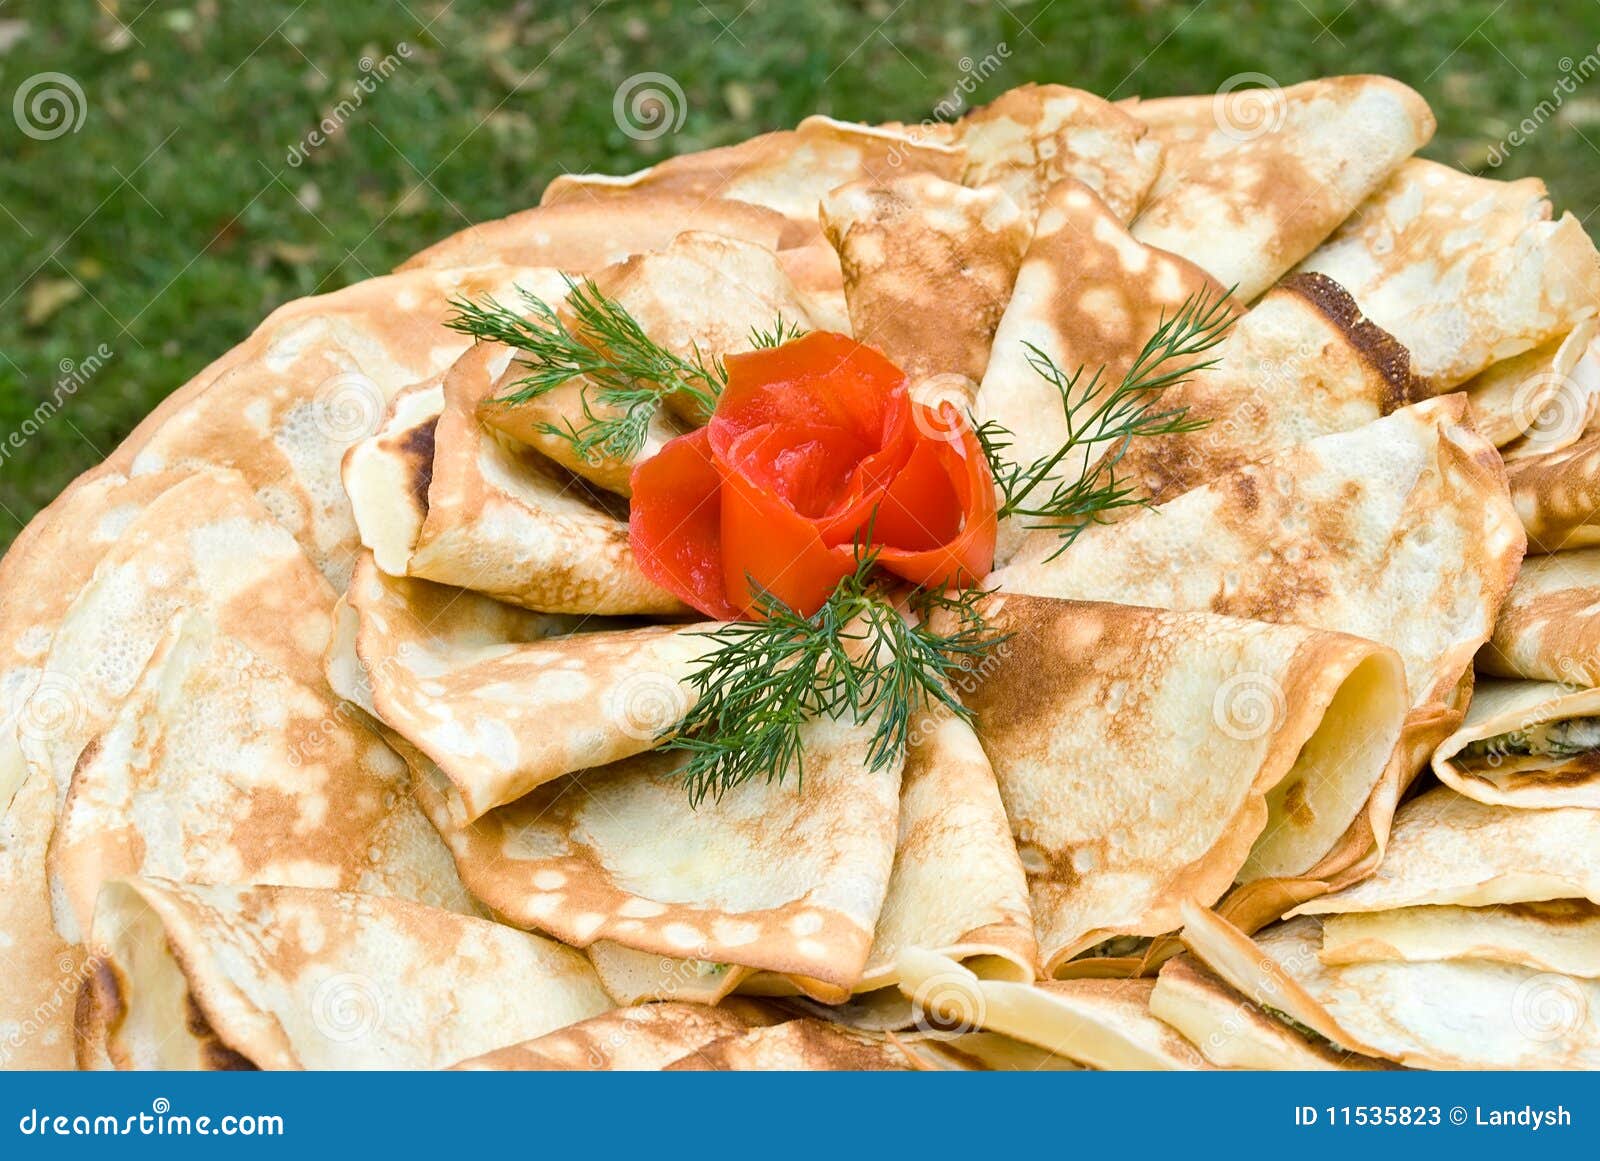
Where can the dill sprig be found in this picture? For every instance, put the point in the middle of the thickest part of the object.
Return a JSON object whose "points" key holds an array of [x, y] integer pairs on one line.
{"points": [[783, 331], [627, 373], [859, 655], [1106, 420]]}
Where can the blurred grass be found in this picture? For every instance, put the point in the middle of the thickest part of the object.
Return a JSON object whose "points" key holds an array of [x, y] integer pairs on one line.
{"points": [[170, 222]]}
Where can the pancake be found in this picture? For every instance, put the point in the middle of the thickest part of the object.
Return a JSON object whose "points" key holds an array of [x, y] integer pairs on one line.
{"points": [[387, 475], [498, 701], [1528, 744], [581, 237], [1558, 496], [1464, 271], [1254, 179], [1147, 757], [1104, 1024], [1561, 935], [1031, 137], [288, 978], [220, 767], [1538, 401], [796, 1046], [928, 268], [1549, 626], [788, 171], [771, 876], [641, 1039], [631, 977]]}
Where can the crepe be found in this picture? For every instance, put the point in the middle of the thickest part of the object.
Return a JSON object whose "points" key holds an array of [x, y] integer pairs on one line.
{"points": [[1558, 496], [640, 1039], [788, 171], [1449, 1014], [506, 521], [768, 877], [1031, 137], [1549, 626], [1147, 757], [1561, 935], [288, 978], [580, 237], [499, 702], [1233, 1032], [928, 268], [630, 976], [1526, 743], [1104, 1024], [387, 475], [1464, 271], [1538, 401], [796, 1046], [1254, 179], [220, 767]]}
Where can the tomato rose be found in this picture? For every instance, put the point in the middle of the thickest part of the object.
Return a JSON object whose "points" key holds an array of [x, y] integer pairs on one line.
{"points": [[813, 446]]}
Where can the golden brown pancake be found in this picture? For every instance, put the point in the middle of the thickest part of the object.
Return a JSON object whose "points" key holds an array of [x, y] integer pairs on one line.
{"points": [[1538, 401], [1549, 625], [1557, 496], [1526, 744]]}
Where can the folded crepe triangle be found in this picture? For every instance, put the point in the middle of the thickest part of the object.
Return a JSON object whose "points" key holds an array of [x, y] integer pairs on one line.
{"points": [[1547, 630], [1526, 744]]}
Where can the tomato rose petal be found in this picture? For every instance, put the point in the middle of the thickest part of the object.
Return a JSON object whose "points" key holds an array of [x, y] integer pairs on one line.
{"points": [[968, 556], [675, 524], [820, 380]]}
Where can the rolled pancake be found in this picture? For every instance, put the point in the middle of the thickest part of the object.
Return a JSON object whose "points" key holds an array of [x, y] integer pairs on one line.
{"points": [[928, 269], [1526, 743], [1561, 935], [1549, 626], [1147, 757], [1558, 496], [1233, 1032], [788, 171], [1452, 1014], [1447, 850], [189, 977], [47, 564], [779, 877], [219, 767], [796, 1046], [581, 237], [1031, 137], [313, 379], [1538, 401], [1254, 179], [1103, 1024], [645, 1038], [387, 475], [506, 521], [1464, 271], [503, 715]]}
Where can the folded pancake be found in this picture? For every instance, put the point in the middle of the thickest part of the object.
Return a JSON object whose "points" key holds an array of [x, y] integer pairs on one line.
{"points": [[645, 1038], [1526, 743], [1254, 179], [1148, 757], [1031, 137], [1538, 401], [500, 703], [1233, 1032], [1086, 295], [1103, 1024], [928, 268], [788, 171], [314, 378], [1465, 271], [190, 977], [219, 767], [987, 1052], [1448, 850], [580, 237], [1559, 935], [797, 1046], [503, 519], [631, 977], [1450, 1014], [779, 877], [47, 564], [1549, 626], [387, 474], [1558, 496]]}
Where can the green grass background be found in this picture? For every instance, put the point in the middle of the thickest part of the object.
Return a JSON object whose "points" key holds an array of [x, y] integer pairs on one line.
{"points": [[170, 222]]}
